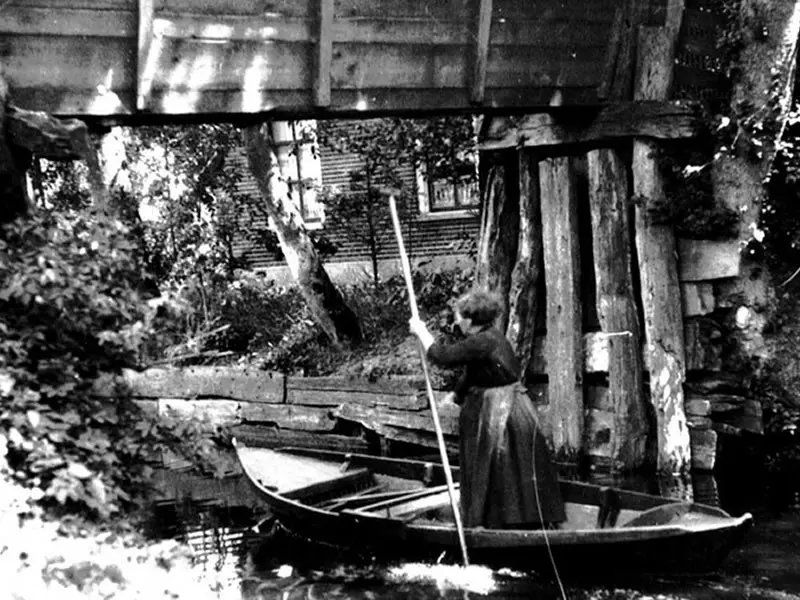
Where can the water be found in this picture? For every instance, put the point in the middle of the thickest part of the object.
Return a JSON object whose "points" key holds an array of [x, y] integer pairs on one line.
{"points": [[217, 517]]}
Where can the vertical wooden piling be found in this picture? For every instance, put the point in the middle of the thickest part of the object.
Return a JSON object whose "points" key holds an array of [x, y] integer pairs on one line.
{"points": [[522, 301], [564, 344], [658, 266], [324, 54], [145, 62], [616, 306], [497, 242]]}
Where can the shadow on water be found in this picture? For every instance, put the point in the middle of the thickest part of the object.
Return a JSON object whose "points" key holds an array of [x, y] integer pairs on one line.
{"points": [[217, 518]]}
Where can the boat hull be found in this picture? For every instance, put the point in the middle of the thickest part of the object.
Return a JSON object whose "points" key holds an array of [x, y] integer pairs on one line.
{"points": [[673, 552], [674, 547]]}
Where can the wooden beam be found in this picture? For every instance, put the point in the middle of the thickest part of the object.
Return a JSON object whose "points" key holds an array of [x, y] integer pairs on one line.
{"points": [[144, 68], [399, 385], [658, 267], [483, 32], [376, 419], [583, 31], [675, 12], [105, 22], [619, 87], [612, 55], [652, 119], [349, 392], [287, 416], [265, 436], [212, 412], [252, 385], [322, 81], [559, 202]]}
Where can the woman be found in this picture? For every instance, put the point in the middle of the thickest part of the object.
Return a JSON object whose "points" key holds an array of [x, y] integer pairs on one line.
{"points": [[507, 477]]}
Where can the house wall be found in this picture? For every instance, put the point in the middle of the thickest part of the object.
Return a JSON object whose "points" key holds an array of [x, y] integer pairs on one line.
{"points": [[445, 239]]}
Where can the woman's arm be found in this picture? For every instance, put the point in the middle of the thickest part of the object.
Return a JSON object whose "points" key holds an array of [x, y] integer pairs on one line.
{"points": [[470, 349]]}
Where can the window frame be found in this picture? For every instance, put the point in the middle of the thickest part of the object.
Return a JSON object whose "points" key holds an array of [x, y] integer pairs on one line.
{"points": [[425, 192]]}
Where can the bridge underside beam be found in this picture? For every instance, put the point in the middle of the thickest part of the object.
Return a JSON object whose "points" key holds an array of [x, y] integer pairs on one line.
{"points": [[182, 59]]}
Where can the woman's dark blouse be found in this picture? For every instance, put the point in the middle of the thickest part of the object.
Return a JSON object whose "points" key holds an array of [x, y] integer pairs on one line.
{"points": [[487, 357]]}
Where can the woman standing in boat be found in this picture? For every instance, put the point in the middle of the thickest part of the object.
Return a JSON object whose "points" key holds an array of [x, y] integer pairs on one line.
{"points": [[508, 479]]}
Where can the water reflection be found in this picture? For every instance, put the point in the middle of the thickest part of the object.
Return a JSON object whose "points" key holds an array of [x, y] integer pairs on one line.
{"points": [[217, 518]]}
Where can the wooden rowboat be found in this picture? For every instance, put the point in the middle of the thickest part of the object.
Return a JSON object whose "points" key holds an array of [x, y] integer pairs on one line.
{"points": [[399, 508]]}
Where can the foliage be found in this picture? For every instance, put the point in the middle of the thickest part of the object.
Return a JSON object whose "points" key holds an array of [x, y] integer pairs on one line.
{"points": [[689, 204], [183, 175], [250, 314], [73, 559], [60, 185], [780, 215], [70, 314], [384, 314], [781, 419], [779, 246]]}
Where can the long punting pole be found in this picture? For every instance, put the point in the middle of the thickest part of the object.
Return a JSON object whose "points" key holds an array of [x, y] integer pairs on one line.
{"points": [[431, 400]]}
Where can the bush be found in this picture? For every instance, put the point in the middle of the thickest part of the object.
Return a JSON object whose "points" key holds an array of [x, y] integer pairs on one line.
{"points": [[70, 315], [383, 311], [258, 313], [199, 322], [254, 320]]}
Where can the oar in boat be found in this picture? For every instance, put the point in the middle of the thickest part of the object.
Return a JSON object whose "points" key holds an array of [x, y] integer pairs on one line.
{"points": [[431, 400]]}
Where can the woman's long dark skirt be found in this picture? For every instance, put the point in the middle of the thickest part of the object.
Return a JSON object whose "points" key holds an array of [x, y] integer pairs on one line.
{"points": [[503, 459]]}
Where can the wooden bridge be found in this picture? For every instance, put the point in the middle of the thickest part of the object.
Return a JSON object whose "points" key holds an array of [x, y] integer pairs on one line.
{"points": [[587, 75], [173, 58]]}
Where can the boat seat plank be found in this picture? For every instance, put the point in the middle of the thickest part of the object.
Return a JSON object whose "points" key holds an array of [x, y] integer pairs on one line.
{"points": [[346, 483], [370, 494], [409, 501]]}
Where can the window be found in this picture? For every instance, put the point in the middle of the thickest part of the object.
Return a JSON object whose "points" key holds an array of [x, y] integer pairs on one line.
{"points": [[454, 192]]}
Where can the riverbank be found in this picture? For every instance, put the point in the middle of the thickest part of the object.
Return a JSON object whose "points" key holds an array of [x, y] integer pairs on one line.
{"points": [[73, 559]]}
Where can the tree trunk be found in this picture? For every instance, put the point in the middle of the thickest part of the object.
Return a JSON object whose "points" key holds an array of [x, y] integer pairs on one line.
{"points": [[98, 187], [497, 242], [325, 301], [13, 163], [522, 301]]}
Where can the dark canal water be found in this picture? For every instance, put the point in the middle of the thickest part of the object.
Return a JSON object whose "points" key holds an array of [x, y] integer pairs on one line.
{"points": [[217, 518]]}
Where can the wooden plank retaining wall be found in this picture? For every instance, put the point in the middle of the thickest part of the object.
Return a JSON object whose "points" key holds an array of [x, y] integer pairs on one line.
{"points": [[273, 409]]}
